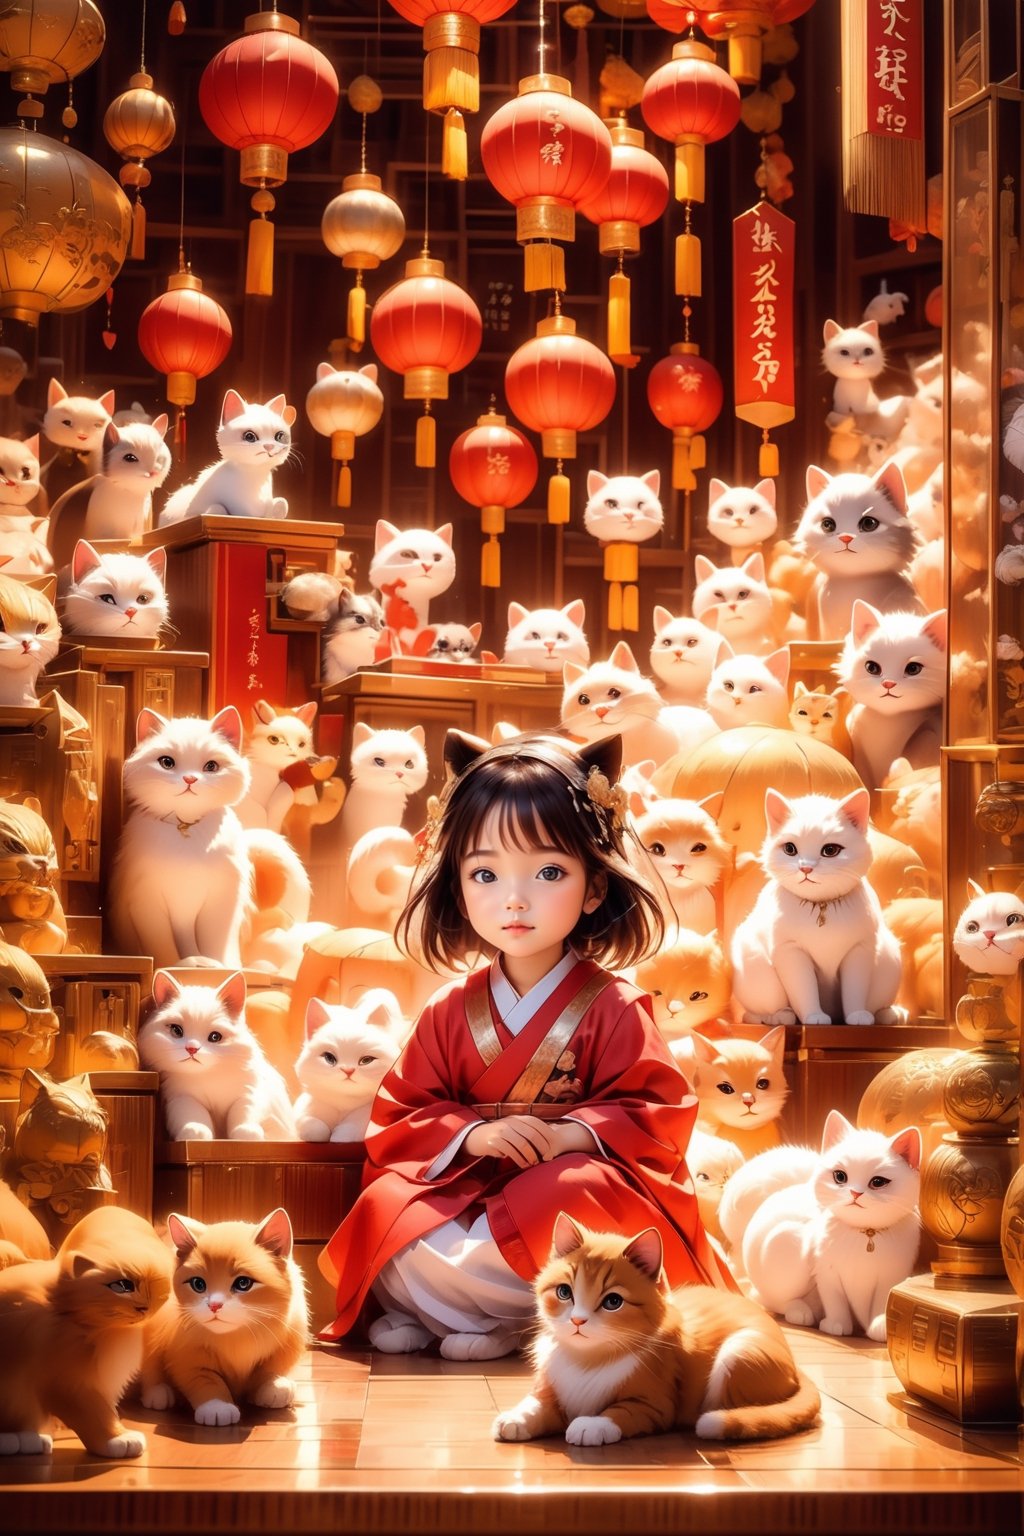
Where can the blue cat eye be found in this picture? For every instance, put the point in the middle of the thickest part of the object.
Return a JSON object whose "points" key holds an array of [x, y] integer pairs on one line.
{"points": [[330, 1058], [563, 1292], [122, 1287], [196, 1283], [612, 1302], [243, 1283]]}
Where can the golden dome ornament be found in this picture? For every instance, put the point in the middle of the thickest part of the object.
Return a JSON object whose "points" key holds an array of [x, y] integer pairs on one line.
{"points": [[138, 124], [47, 42]]}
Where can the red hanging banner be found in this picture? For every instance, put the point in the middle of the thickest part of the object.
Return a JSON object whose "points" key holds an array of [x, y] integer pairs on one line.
{"points": [[763, 251], [895, 68]]}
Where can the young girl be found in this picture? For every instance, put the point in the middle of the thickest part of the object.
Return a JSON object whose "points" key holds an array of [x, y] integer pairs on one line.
{"points": [[535, 1084]]}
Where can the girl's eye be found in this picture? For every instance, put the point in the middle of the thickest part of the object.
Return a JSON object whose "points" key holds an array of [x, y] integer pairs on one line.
{"points": [[658, 850], [197, 1284], [122, 1287], [612, 1302], [212, 766], [563, 1292], [330, 1058], [550, 873], [790, 849], [215, 1037], [483, 876], [108, 597], [243, 1283], [165, 761], [176, 1030]]}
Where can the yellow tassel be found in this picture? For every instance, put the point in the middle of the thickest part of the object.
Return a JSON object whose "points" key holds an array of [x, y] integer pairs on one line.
{"points": [[492, 520], [356, 322], [558, 499], [544, 266], [454, 154], [688, 266], [344, 498], [689, 177], [490, 564], [618, 316], [631, 608], [681, 474], [426, 441], [768, 460], [138, 249], [615, 606], [259, 266], [698, 452]]}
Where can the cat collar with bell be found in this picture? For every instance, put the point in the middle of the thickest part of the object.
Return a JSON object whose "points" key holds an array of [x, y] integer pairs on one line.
{"points": [[822, 907], [870, 1233]]}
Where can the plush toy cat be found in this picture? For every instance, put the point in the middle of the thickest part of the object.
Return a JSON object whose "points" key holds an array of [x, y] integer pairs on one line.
{"points": [[616, 1355], [819, 715], [815, 948], [856, 531], [215, 1081], [546, 638], [741, 1088], [236, 1321], [118, 596], [345, 1056], [989, 932], [454, 642], [683, 656], [21, 1235], [737, 602], [742, 517], [57, 1162], [681, 840], [278, 749], [31, 914], [75, 424], [894, 667], [386, 767], [410, 569], [827, 1249], [29, 638], [253, 440], [181, 877], [71, 1332], [853, 355], [749, 690], [623, 509], [22, 532], [689, 983], [612, 698], [136, 461]]}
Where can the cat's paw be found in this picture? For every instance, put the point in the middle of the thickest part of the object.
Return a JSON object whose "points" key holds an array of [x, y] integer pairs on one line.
{"points": [[216, 1413], [25, 1442], [799, 1314], [862, 1016], [247, 1132], [278, 507], [817, 1018], [397, 1334], [588, 1430], [513, 1425], [278, 1392], [158, 1397], [128, 1443], [312, 1129], [780, 1016], [876, 1329], [891, 1016], [837, 1326], [194, 1130]]}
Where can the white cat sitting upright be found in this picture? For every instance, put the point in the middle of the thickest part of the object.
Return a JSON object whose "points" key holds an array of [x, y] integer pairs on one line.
{"points": [[894, 668], [683, 656], [854, 357], [346, 1054], [136, 462], [22, 532], [546, 638], [409, 570], [254, 440]]}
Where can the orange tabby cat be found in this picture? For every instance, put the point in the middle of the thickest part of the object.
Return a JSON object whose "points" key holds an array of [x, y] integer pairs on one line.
{"points": [[235, 1323], [618, 1355], [741, 1088], [71, 1335], [21, 1235]]}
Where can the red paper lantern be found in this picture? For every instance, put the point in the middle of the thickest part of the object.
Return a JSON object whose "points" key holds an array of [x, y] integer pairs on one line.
{"points": [[559, 384], [690, 102], [547, 154], [933, 308], [493, 467], [186, 335], [425, 327], [267, 94], [685, 393], [742, 22]]}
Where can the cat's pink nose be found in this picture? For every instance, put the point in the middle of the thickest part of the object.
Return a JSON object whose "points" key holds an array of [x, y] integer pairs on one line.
{"points": [[989, 933], [189, 778], [846, 538], [349, 1071], [577, 1322], [193, 1050], [888, 682], [130, 613], [601, 711], [748, 1098], [214, 1306]]}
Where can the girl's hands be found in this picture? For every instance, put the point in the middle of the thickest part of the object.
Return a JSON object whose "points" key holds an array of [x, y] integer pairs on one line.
{"points": [[526, 1140]]}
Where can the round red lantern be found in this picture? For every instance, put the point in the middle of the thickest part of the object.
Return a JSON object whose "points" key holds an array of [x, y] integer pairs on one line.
{"points": [[690, 102], [493, 467], [547, 154], [186, 335], [933, 308], [743, 23], [635, 194], [425, 328], [685, 393], [267, 94], [559, 384]]}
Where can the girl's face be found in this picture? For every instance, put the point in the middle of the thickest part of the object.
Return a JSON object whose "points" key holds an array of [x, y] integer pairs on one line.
{"points": [[525, 902]]}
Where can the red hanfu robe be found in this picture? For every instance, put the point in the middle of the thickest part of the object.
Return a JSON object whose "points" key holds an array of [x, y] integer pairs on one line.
{"points": [[614, 1074]]}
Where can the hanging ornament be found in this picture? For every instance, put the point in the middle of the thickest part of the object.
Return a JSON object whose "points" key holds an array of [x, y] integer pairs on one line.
{"points": [[13, 368], [690, 102], [110, 335], [546, 154], [186, 335], [451, 73], [176, 19], [763, 261], [137, 124], [69, 117], [267, 94], [64, 228], [883, 111], [362, 225], [558, 384], [344, 404], [579, 18], [685, 393], [425, 327], [47, 42], [743, 23], [493, 467], [635, 194]]}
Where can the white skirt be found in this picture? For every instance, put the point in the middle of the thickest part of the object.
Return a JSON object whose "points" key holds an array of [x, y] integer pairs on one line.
{"points": [[454, 1280]]}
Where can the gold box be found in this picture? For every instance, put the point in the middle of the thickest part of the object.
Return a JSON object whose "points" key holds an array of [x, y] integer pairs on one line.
{"points": [[956, 1349], [94, 993], [170, 682]]}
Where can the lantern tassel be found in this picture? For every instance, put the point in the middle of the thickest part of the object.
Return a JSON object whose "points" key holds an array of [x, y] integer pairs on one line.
{"points": [[454, 151], [356, 320], [688, 276], [426, 440], [180, 439], [544, 266], [490, 564], [689, 168], [259, 266], [615, 605], [176, 19], [768, 457], [558, 497], [138, 245], [619, 348], [344, 496]]}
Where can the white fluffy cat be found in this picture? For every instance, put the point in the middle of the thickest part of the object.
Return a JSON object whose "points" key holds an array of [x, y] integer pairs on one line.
{"points": [[743, 517], [894, 668], [689, 853], [815, 948], [22, 533], [454, 642], [278, 741], [736, 601], [253, 440], [136, 462], [854, 357], [623, 509], [118, 596], [381, 867], [683, 656], [613, 698], [827, 1246], [386, 767], [76, 424], [546, 638], [29, 638], [410, 569], [346, 1053], [215, 1081], [989, 933], [352, 636], [750, 690], [181, 878], [856, 533]]}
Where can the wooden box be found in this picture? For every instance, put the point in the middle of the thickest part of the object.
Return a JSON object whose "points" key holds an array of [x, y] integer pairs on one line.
{"points": [[170, 682], [94, 993]]}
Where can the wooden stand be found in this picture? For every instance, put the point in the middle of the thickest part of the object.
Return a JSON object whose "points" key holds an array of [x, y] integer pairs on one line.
{"points": [[169, 682]]}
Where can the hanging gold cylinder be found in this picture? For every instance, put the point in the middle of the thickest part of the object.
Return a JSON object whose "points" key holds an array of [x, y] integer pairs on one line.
{"points": [[631, 608], [343, 445], [689, 177], [492, 520], [545, 218], [454, 148], [618, 236], [181, 388], [688, 273], [343, 497], [259, 263], [618, 316], [355, 323], [263, 165], [427, 382], [768, 460], [698, 452], [558, 443], [451, 70], [490, 564], [543, 267], [683, 478], [745, 53], [426, 442], [137, 250], [559, 496], [615, 606]]}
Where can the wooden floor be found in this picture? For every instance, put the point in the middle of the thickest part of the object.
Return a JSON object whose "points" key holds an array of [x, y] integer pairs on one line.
{"points": [[402, 1444]]}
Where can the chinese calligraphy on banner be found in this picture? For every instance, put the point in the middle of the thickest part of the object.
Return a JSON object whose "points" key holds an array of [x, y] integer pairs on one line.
{"points": [[895, 72], [763, 249]]}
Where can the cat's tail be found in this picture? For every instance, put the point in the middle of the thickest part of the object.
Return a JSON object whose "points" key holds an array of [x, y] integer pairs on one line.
{"points": [[280, 879], [380, 870], [749, 1187], [763, 1421]]}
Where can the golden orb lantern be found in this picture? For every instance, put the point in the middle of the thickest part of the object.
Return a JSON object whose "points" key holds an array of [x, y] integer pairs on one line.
{"points": [[64, 227], [364, 226], [137, 124], [909, 1091], [342, 405], [13, 369], [48, 42]]}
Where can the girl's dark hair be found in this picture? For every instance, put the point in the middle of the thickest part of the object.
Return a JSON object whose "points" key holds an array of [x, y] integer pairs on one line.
{"points": [[539, 785]]}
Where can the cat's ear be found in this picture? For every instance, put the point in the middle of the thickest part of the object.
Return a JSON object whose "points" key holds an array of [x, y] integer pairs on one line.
{"points": [[713, 804], [623, 657], [566, 1237], [165, 987], [646, 1252], [595, 482], [32, 1085], [84, 560], [79, 1264], [107, 402], [571, 673], [148, 723], [161, 423], [228, 723], [778, 665], [231, 995], [31, 803], [184, 1233], [361, 733], [889, 480], [418, 734], [766, 488], [816, 480], [936, 628], [704, 1050], [461, 749], [800, 689], [605, 755], [275, 1234], [907, 1144], [864, 621], [111, 437], [652, 480], [306, 712], [754, 566], [156, 559], [516, 614], [576, 612], [777, 811], [975, 890], [774, 1042], [871, 326], [836, 1127], [317, 1013], [369, 371], [32, 444], [233, 405], [831, 328], [725, 651], [661, 617], [263, 713], [857, 809], [276, 405], [55, 392], [288, 415], [476, 630], [444, 533], [716, 488], [326, 371], [383, 1009], [703, 567], [385, 532]]}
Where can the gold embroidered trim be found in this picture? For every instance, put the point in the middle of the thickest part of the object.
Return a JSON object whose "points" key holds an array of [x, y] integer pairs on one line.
{"points": [[481, 1024], [557, 1038]]}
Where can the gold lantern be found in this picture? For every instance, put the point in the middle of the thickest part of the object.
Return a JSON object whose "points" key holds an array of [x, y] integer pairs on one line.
{"points": [[46, 42], [64, 227], [137, 124]]}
